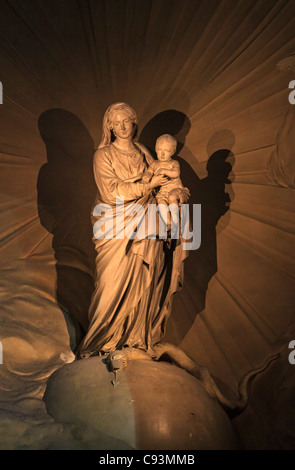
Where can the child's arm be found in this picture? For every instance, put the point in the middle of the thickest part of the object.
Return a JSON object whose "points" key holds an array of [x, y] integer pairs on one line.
{"points": [[174, 173], [147, 175]]}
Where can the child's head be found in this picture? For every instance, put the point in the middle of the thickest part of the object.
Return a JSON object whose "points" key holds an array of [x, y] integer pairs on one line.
{"points": [[165, 147]]}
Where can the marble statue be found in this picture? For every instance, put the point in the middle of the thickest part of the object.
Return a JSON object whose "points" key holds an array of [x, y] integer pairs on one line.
{"points": [[134, 278], [173, 193]]}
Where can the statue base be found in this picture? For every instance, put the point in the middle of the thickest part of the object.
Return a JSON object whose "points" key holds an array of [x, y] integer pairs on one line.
{"points": [[154, 405]]}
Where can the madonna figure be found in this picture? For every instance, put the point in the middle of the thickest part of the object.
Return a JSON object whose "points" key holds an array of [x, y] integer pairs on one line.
{"points": [[135, 279]]}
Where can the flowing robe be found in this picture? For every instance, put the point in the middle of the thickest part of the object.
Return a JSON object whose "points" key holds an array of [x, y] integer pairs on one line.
{"points": [[135, 279]]}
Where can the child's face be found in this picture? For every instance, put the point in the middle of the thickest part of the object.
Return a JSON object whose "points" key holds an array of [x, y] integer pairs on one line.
{"points": [[164, 151]]}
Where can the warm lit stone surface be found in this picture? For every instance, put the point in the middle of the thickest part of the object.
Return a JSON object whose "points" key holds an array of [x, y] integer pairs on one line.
{"points": [[153, 406]]}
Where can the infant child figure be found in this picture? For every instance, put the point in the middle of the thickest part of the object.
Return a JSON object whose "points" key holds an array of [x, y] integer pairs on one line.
{"points": [[173, 192]]}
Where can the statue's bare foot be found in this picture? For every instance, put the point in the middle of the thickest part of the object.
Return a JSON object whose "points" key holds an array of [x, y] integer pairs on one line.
{"points": [[84, 355]]}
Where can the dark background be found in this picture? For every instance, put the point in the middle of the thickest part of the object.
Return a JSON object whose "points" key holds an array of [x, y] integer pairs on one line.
{"points": [[204, 72]]}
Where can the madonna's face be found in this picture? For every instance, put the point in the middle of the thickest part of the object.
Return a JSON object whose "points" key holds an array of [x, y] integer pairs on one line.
{"points": [[122, 125]]}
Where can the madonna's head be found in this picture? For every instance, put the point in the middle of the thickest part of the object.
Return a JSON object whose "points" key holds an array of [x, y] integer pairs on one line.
{"points": [[119, 120]]}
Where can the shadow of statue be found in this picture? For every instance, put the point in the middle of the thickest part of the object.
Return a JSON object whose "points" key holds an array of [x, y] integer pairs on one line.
{"points": [[214, 195], [215, 203], [66, 191]]}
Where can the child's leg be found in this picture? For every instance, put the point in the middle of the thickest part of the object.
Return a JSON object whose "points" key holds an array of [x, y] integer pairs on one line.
{"points": [[164, 212], [174, 210]]}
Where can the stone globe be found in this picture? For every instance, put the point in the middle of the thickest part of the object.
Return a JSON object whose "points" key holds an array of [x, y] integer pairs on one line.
{"points": [[153, 405]]}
